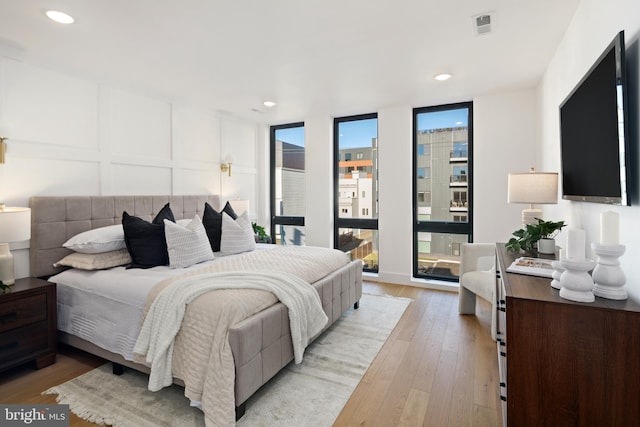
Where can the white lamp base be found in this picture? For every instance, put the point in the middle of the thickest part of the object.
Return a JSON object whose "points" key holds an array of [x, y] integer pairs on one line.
{"points": [[7, 275], [529, 216]]}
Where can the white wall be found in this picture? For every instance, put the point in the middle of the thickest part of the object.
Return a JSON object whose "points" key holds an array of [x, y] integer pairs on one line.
{"points": [[395, 139], [318, 145], [71, 136], [593, 27], [505, 140]]}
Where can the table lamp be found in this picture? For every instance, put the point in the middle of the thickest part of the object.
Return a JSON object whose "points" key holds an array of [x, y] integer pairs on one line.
{"points": [[239, 206], [15, 226], [532, 188]]}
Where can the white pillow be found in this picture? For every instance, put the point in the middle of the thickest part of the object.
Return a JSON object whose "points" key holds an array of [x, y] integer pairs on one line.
{"points": [[187, 245], [95, 261], [98, 240], [237, 236]]}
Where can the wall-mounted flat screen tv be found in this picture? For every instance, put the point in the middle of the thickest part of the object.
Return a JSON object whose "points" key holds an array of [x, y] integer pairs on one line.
{"points": [[593, 132]]}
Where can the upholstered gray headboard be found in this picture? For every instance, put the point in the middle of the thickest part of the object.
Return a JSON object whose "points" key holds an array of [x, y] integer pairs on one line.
{"points": [[56, 219]]}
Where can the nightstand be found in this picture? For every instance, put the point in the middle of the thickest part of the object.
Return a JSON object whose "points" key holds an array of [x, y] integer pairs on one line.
{"points": [[28, 323]]}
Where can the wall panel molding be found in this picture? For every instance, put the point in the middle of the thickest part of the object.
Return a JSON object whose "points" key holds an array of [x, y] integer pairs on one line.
{"points": [[73, 136]]}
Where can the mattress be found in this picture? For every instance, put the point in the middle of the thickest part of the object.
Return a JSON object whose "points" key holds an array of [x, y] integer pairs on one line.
{"points": [[105, 307]]}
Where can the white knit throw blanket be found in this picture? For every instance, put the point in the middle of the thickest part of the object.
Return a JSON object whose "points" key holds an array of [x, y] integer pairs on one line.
{"points": [[163, 320]]}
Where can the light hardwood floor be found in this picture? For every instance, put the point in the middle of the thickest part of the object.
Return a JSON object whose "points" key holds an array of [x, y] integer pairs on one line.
{"points": [[437, 368]]}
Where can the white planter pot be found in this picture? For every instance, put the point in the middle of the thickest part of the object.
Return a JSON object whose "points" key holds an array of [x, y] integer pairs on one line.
{"points": [[547, 246]]}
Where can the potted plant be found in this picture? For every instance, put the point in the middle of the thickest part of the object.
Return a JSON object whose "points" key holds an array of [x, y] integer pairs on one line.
{"points": [[261, 235], [4, 288], [539, 236]]}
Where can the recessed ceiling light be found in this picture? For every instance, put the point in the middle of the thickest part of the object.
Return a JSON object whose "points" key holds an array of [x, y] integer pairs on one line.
{"points": [[442, 77], [269, 104], [59, 17]]}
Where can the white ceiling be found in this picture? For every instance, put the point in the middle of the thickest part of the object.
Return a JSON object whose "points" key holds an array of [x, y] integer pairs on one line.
{"points": [[329, 57]]}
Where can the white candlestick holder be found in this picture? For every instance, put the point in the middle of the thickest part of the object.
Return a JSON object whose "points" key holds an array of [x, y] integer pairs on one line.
{"points": [[608, 277], [576, 283], [558, 269]]}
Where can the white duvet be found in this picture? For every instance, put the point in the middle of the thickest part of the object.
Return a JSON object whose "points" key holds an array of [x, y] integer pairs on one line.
{"points": [[105, 307]]}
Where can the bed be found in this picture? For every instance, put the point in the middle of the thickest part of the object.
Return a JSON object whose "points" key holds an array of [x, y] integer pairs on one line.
{"points": [[261, 344]]}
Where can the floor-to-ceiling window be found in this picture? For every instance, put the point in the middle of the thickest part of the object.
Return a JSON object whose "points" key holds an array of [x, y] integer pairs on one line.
{"points": [[443, 184], [356, 188], [287, 184]]}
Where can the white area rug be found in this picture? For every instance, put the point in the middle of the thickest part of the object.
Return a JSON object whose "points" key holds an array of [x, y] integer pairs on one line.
{"points": [[309, 394]]}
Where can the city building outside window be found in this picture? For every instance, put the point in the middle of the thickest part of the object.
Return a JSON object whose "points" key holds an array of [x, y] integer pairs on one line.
{"points": [[443, 183], [356, 218], [287, 184]]}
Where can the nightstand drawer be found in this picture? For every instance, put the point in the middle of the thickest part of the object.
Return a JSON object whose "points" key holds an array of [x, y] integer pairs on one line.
{"points": [[21, 312], [24, 341]]}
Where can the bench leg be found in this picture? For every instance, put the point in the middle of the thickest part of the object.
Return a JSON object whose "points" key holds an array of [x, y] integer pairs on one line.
{"points": [[240, 410]]}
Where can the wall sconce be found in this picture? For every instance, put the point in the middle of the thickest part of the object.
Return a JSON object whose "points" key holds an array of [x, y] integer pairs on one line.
{"points": [[3, 149], [226, 167]]}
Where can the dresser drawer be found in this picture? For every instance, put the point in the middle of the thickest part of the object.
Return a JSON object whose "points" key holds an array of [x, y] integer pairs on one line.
{"points": [[22, 312], [24, 341]]}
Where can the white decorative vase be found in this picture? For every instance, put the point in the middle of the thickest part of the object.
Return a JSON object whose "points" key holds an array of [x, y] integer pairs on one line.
{"points": [[6, 265], [558, 269], [547, 246], [576, 282], [608, 277]]}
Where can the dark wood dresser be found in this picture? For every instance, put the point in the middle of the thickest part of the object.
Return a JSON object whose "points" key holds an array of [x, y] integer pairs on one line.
{"points": [[28, 324], [564, 363]]}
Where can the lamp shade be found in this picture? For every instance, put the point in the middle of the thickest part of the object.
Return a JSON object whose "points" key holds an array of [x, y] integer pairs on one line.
{"points": [[533, 188], [240, 206], [15, 224]]}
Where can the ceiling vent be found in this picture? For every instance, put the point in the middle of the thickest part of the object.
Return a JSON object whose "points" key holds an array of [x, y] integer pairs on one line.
{"points": [[483, 24]]}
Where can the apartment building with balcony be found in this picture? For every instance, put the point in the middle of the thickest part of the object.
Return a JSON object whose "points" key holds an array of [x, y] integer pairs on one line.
{"points": [[358, 198], [357, 185], [442, 186]]}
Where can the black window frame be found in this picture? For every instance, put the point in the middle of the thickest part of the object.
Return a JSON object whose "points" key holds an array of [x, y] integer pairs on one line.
{"points": [[444, 227], [356, 223], [279, 219]]}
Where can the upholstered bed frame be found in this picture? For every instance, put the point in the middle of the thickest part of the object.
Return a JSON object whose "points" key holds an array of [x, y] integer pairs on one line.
{"points": [[261, 344]]}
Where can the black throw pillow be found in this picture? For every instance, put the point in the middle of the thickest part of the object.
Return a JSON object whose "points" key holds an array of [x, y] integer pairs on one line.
{"points": [[212, 221], [146, 240], [229, 210]]}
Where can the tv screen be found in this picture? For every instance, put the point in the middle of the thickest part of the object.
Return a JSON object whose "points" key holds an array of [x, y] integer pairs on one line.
{"points": [[593, 135]]}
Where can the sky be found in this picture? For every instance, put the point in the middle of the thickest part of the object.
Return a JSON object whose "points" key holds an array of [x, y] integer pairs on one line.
{"points": [[293, 136], [443, 119], [358, 133]]}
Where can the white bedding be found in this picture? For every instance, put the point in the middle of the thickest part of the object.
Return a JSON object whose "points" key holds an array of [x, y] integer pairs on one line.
{"points": [[88, 299]]}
